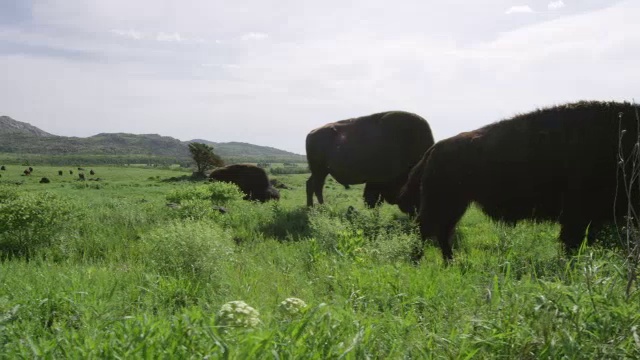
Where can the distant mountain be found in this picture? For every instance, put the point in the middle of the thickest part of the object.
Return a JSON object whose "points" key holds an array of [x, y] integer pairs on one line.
{"points": [[239, 149], [24, 139], [11, 126]]}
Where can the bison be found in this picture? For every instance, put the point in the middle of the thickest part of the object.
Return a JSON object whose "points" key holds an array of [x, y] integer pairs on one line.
{"points": [[3, 168], [378, 150], [92, 172], [45, 180], [251, 180], [60, 172], [26, 172], [555, 164]]}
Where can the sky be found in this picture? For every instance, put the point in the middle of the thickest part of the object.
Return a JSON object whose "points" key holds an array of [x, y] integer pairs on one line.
{"points": [[269, 71]]}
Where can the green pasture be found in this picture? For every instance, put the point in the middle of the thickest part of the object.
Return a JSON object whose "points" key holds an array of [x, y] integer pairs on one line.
{"points": [[139, 264]]}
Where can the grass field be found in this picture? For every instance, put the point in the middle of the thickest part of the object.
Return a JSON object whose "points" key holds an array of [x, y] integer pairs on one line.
{"points": [[105, 269]]}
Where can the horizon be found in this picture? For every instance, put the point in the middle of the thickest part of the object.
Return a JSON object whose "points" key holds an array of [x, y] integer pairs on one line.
{"points": [[268, 73]]}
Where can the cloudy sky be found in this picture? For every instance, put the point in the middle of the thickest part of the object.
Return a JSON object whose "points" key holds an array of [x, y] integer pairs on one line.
{"points": [[269, 71]]}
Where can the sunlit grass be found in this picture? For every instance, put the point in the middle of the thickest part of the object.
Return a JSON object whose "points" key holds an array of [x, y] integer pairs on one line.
{"points": [[113, 283]]}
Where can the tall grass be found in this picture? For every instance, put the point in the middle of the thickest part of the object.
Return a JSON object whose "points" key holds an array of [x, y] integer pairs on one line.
{"points": [[134, 278]]}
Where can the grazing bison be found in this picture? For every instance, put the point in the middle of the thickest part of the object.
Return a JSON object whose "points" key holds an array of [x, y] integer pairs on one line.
{"points": [[3, 167], [81, 176], [378, 150], [60, 172], [45, 180], [26, 172], [30, 169], [279, 184], [92, 172], [71, 172], [555, 164], [251, 180]]}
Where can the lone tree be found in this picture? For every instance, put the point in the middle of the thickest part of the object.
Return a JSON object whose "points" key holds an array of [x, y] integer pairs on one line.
{"points": [[204, 157]]}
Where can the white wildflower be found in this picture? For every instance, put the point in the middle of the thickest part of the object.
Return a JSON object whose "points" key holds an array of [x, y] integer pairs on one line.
{"points": [[292, 306], [238, 314]]}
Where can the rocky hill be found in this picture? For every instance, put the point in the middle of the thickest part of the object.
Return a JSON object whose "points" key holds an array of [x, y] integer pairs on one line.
{"points": [[11, 126], [20, 138]]}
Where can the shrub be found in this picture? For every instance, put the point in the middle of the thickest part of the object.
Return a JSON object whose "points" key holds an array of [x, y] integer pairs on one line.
{"points": [[290, 170], [31, 221], [238, 314], [194, 249]]}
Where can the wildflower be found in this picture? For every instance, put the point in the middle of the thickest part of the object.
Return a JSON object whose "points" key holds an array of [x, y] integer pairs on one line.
{"points": [[238, 314], [292, 306]]}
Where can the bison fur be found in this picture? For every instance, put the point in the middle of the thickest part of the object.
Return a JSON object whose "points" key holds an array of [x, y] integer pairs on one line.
{"points": [[556, 164], [252, 181]]}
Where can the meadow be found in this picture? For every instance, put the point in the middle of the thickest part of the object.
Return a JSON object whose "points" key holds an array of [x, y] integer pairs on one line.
{"points": [[106, 269]]}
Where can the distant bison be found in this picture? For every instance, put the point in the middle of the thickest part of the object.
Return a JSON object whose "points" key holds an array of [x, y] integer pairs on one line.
{"points": [[3, 167], [251, 180], [81, 176], [378, 150], [45, 180], [60, 172], [92, 172], [30, 169], [555, 164], [71, 172], [26, 172]]}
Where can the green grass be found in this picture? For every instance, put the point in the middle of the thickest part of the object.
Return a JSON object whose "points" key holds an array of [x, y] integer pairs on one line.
{"points": [[125, 276]]}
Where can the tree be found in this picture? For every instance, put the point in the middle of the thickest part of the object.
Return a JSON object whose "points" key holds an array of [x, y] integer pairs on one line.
{"points": [[204, 157]]}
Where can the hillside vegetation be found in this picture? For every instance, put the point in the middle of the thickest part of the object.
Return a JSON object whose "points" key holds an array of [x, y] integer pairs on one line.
{"points": [[21, 142], [105, 269]]}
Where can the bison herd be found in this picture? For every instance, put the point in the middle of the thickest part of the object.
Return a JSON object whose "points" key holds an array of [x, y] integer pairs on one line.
{"points": [[572, 164], [576, 164], [28, 171]]}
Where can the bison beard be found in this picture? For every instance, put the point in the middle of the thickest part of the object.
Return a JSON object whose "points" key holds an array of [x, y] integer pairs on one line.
{"points": [[555, 164]]}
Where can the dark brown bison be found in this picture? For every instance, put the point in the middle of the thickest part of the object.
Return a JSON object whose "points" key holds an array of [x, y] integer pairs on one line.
{"points": [[26, 172], [555, 164], [60, 172], [81, 176], [45, 180], [251, 180], [92, 172], [378, 150], [3, 167], [71, 172]]}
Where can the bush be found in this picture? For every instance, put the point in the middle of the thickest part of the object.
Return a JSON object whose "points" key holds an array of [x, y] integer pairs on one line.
{"points": [[31, 221], [290, 170], [194, 249]]}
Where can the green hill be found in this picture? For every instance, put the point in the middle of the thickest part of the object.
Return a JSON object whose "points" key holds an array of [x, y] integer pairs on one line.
{"points": [[20, 142]]}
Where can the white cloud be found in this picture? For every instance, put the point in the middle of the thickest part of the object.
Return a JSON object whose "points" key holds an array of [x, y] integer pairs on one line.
{"points": [[254, 36], [130, 33], [174, 37], [460, 72], [554, 5], [519, 9]]}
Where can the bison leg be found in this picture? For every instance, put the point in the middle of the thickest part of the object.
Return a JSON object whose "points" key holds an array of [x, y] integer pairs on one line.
{"points": [[372, 195], [439, 218], [315, 185]]}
